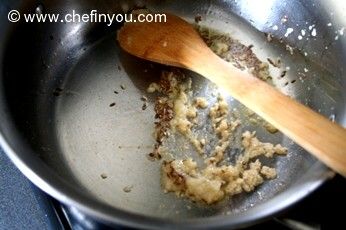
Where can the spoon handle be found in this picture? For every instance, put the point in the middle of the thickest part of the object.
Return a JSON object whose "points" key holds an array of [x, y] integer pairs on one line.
{"points": [[318, 135]]}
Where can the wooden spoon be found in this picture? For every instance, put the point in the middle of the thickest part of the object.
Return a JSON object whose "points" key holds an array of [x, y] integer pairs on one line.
{"points": [[176, 43]]}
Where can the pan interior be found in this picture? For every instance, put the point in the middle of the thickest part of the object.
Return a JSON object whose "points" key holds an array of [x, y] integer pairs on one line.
{"points": [[103, 150], [98, 140]]}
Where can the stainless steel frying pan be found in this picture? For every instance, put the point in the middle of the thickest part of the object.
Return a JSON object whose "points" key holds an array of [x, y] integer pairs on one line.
{"points": [[57, 81]]}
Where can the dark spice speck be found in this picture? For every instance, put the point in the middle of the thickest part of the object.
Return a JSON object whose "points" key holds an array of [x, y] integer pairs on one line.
{"points": [[198, 18], [283, 74], [103, 176]]}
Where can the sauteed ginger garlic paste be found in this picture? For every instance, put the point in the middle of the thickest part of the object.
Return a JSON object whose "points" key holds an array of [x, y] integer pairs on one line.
{"points": [[177, 113]]}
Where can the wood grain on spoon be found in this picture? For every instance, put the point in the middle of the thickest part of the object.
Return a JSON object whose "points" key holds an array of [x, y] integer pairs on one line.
{"points": [[176, 43]]}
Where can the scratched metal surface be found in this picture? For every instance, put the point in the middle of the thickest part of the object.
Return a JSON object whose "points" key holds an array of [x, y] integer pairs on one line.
{"points": [[78, 137]]}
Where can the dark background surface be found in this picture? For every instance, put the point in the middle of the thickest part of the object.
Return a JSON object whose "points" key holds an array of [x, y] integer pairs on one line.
{"points": [[23, 206]]}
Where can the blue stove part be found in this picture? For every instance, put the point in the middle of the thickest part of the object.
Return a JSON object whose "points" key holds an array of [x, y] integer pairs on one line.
{"points": [[22, 205]]}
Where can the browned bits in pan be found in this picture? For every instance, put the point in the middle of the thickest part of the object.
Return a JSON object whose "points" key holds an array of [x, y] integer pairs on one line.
{"points": [[152, 155], [163, 112], [198, 18], [269, 36], [240, 55], [176, 177], [165, 83], [144, 106], [155, 155], [276, 64]]}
